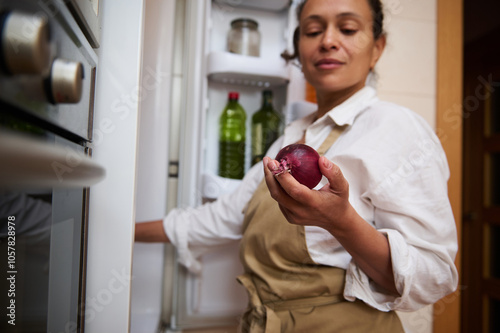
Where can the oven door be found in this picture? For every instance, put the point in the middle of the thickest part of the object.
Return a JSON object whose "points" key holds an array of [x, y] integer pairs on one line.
{"points": [[47, 75], [44, 190]]}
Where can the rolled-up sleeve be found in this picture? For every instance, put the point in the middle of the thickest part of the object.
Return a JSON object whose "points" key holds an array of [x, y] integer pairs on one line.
{"points": [[194, 231], [413, 211]]}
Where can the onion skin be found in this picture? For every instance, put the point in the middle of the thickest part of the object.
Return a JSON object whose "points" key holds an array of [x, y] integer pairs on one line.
{"points": [[301, 161]]}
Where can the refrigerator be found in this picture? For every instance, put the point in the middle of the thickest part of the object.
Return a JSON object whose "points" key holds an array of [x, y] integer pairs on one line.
{"points": [[187, 73]]}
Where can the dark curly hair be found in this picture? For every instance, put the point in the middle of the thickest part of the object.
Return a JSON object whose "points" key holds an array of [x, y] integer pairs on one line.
{"points": [[378, 27]]}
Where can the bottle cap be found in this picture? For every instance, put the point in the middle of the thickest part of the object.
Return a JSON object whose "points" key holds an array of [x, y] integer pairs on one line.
{"points": [[233, 95]]}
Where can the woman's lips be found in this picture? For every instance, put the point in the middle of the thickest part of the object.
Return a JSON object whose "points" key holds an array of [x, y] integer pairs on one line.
{"points": [[328, 63]]}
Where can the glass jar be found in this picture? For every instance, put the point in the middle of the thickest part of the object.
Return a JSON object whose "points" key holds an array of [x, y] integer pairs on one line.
{"points": [[244, 38]]}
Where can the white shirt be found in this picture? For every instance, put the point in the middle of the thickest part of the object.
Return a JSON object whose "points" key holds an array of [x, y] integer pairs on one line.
{"points": [[397, 173]]}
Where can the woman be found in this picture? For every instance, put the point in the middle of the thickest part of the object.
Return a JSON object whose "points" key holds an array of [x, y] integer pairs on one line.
{"points": [[377, 235]]}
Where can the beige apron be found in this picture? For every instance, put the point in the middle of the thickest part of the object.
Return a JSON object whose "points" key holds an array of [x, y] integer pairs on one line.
{"points": [[288, 292]]}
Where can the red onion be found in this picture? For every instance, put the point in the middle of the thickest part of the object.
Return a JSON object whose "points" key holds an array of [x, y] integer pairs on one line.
{"points": [[302, 163]]}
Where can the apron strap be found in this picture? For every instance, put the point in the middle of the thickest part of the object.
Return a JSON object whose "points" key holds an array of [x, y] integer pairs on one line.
{"points": [[330, 139]]}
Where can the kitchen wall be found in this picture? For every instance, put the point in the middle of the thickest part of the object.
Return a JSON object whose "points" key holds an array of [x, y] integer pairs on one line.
{"points": [[407, 70]]}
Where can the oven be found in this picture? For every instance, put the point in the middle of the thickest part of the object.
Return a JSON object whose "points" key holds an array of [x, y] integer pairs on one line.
{"points": [[47, 85]]}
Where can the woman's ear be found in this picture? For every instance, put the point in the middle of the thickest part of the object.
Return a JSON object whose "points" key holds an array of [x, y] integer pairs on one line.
{"points": [[378, 49]]}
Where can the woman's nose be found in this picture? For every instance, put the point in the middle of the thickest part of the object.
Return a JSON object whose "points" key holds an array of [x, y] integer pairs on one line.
{"points": [[330, 39]]}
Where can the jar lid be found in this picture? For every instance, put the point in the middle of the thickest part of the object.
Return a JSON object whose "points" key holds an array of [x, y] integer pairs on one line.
{"points": [[244, 22]]}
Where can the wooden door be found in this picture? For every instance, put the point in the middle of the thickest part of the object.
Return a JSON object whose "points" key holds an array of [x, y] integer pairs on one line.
{"points": [[481, 204], [446, 314]]}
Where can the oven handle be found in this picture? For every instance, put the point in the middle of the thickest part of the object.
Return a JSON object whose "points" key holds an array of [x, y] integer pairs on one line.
{"points": [[27, 162]]}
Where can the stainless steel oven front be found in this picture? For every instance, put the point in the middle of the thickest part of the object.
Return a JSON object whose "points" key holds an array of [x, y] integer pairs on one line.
{"points": [[47, 84]]}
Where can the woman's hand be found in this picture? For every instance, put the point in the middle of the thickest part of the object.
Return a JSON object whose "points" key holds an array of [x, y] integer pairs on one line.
{"points": [[329, 208]]}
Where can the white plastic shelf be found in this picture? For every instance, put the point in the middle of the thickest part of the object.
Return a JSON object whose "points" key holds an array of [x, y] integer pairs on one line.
{"points": [[231, 68], [272, 5]]}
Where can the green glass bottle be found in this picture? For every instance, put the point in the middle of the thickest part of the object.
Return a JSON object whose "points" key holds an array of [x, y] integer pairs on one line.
{"points": [[232, 136], [266, 127]]}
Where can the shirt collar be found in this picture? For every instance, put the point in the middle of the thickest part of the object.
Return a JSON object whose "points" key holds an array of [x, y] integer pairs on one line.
{"points": [[345, 113]]}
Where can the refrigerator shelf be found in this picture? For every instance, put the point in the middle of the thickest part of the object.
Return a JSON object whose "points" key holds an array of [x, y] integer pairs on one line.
{"points": [[233, 68], [271, 5]]}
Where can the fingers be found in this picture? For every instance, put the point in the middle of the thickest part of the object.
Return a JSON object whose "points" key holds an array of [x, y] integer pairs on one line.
{"points": [[272, 184], [283, 187], [276, 190], [301, 205], [286, 184], [334, 175], [277, 186]]}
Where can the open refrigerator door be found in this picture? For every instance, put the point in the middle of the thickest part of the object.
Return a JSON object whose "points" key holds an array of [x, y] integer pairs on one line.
{"points": [[203, 74]]}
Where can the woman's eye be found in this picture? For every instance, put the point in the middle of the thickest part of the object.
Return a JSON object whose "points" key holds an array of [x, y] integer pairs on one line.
{"points": [[348, 32], [312, 32]]}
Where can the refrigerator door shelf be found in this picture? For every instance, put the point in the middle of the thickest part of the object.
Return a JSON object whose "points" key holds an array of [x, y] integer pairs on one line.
{"points": [[214, 186], [233, 68], [272, 5]]}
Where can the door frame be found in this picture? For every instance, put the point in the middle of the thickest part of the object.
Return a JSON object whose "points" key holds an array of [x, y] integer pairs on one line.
{"points": [[446, 317]]}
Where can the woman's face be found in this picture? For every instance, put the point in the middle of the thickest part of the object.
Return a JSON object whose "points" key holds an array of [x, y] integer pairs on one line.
{"points": [[336, 45]]}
